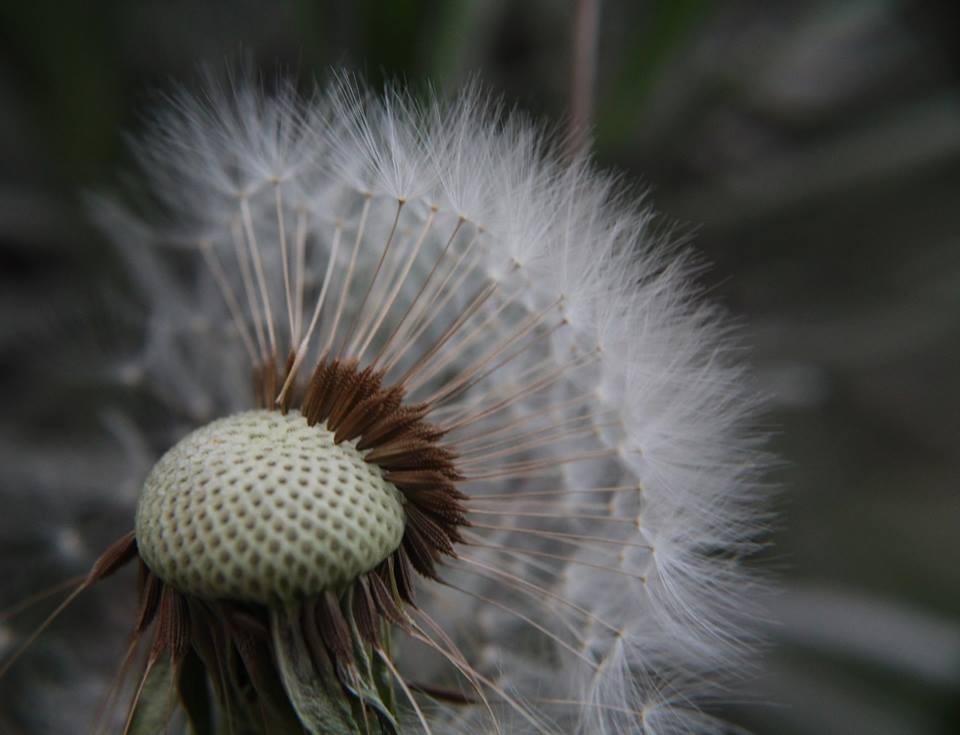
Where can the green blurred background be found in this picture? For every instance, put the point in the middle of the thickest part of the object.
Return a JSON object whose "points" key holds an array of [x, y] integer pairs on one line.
{"points": [[812, 150]]}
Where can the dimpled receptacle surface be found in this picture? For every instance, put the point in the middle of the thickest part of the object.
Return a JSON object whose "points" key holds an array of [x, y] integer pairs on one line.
{"points": [[261, 507]]}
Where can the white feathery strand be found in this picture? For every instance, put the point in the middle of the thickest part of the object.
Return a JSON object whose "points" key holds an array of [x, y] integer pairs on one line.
{"points": [[548, 574], [431, 306], [544, 506], [499, 691], [517, 552], [385, 657], [305, 344], [481, 437], [581, 541], [639, 714], [138, 693], [249, 289], [431, 312], [548, 437], [635, 488], [258, 270], [455, 657], [525, 376], [551, 376], [401, 323], [348, 278], [541, 441], [116, 683], [546, 471], [398, 284], [300, 263], [576, 426], [569, 516], [475, 303], [525, 618], [479, 372], [223, 283], [349, 335], [468, 376], [469, 337], [392, 263], [284, 259], [26, 643], [20, 606], [559, 614], [536, 591], [518, 469]]}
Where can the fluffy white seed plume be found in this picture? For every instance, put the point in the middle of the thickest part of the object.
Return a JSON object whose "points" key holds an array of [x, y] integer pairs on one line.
{"points": [[589, 407]]}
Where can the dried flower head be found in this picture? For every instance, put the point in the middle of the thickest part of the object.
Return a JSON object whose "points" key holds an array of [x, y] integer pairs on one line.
{"points": [[480, 460]]}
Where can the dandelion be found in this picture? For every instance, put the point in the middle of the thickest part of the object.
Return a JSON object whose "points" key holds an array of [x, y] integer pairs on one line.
{"points": [[470, 454]]}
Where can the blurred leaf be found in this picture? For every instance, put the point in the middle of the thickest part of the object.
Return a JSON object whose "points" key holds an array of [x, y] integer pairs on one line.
{"points": [[456, 22], [395, 44], [665, 32], [61, 50], [156, 702], [319, 701]]}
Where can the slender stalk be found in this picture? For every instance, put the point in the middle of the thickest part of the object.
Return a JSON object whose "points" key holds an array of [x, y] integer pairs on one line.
{"points": [[583, 73]]}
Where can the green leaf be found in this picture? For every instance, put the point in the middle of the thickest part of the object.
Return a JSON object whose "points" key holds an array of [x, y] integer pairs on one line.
{"points": [[319, 700], [383, 677], [365, 690], [157, 701], [366, 693]]}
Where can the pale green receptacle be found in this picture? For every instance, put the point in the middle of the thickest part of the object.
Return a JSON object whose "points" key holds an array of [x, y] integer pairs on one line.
{"points": [[261, 507]]}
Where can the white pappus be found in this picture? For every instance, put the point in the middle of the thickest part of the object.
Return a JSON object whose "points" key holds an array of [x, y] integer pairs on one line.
{"points": [[589, 414]]}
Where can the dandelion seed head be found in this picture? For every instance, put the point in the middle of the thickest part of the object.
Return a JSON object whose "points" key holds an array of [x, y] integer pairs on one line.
{"points": [[498, 352], [262, 507]]}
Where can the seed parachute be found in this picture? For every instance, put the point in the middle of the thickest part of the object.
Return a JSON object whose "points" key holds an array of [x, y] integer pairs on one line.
{"points": [[466, 450]]}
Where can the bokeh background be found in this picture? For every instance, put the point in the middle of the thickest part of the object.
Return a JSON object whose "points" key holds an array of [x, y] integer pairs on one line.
{"points": [[811, 150]]}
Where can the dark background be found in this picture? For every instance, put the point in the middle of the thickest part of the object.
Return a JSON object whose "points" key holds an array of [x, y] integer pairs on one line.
{"points": [[812, 149]]}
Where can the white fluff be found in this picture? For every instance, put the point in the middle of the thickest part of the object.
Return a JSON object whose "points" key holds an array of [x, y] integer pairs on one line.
{"points": [[637, 595]]}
